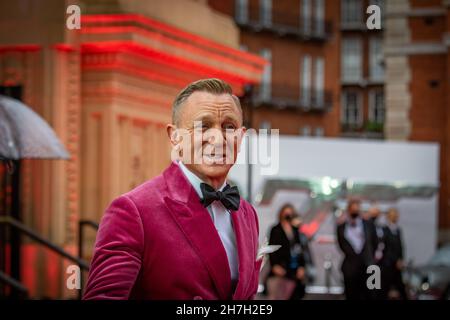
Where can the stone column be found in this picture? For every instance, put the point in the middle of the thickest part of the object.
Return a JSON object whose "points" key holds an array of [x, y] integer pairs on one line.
{"points": [[398, 74]]}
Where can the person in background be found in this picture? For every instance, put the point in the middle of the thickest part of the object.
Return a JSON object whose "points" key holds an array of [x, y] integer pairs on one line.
{"points": [[309, 263], [288, 264], [358, 241], [393, 262], [373, 216]]}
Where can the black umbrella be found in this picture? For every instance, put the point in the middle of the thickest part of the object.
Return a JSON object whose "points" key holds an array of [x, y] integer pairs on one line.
{"points": [[24, 134]]}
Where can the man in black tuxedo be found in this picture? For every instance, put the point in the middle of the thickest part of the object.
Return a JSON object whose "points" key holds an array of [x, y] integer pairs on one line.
{"points": [[358, 241], [393, 256]]}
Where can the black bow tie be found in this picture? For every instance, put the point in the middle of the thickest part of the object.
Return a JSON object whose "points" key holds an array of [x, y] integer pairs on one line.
{"points": [[229, 196]]}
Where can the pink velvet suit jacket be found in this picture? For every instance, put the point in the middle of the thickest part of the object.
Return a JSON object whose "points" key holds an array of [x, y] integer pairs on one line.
{"points": [[158, 242]]}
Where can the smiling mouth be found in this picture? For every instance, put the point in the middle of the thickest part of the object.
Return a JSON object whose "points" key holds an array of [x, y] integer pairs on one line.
{"points": [[215, 158]]}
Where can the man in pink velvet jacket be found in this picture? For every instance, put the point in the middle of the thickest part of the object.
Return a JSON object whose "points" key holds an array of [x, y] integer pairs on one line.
{"points": [[185, 234]]}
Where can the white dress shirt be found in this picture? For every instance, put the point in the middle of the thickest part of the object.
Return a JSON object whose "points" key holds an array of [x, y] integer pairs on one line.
{"points": [[355, 235], [222, 221]]}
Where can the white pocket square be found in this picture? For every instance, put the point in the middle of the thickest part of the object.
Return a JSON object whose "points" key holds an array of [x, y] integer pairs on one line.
{"points": [[266, 249]]}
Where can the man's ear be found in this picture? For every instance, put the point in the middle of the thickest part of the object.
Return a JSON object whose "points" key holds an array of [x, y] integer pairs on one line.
{"points": [[172, 134]]}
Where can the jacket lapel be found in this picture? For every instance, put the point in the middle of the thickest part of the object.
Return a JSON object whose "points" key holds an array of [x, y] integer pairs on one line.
{"points": [[245, 252], [195, 222]]}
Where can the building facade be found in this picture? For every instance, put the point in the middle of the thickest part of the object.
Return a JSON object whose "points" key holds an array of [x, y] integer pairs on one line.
{"points": [[416, 50], [362, 71], [299, 91], [390, 82], [107, 90]]}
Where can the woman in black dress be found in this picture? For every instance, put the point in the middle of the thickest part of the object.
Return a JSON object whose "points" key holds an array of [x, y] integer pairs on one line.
{"points": [[290, 261]]}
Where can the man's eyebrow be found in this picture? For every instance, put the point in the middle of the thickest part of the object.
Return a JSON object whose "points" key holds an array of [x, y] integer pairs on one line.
{"points": [[203, 119], [231, 117], [203, 116]]}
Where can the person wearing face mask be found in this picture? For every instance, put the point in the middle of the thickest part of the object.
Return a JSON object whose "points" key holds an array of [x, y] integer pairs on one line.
{"points": [[357, 239], [287, 276]]}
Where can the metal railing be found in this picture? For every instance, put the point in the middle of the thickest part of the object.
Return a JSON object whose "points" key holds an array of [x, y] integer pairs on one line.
{"points": [[81, 225], [23, 229], [16, 285], [286, 23], [292, 97], [36, 237]]}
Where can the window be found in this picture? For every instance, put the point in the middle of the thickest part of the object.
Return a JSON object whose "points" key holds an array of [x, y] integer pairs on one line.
{"points": [[241, 11], [351, 59], [306, 17], [319, 66], [305, 131], [319, 19], [266, 81], [265, 12], [376, 106], [305, 81], [352, 12], [351, 111], [376, 71]]}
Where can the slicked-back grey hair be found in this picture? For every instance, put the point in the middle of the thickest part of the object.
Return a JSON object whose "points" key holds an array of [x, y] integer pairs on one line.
{"points": [[211, 85]]}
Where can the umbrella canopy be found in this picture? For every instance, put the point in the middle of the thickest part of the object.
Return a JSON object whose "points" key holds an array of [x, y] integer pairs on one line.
{"points": [[25, 135]]}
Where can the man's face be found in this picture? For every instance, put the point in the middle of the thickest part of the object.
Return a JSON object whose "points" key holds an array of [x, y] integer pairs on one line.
{"points": [[374, 213], [353, 210], [211, 129], [393, 216]]}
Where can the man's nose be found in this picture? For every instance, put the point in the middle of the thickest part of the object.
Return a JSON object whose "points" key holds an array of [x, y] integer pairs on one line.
{"points": [[216, 137]]}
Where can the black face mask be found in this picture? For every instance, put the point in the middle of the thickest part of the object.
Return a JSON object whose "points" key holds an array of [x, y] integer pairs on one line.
{"points": [[288, 218], [354, 215]]}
